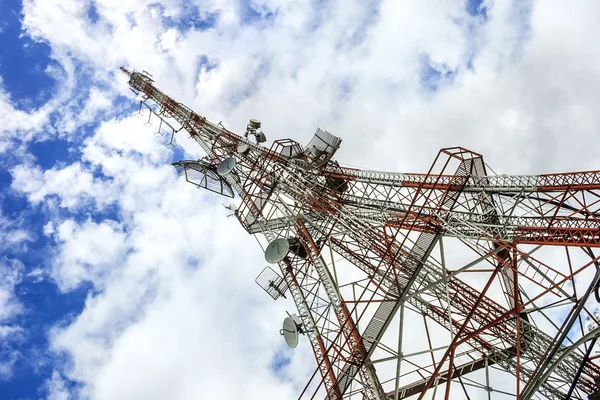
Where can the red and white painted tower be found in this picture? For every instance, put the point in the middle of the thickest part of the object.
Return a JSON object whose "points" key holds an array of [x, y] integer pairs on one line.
{"points": [[454, 283]]}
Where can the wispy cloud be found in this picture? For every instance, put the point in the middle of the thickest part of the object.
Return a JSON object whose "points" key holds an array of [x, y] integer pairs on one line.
{"points": [[10, 307]]}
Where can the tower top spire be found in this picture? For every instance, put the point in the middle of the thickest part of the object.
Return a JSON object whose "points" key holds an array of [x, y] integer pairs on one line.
{"points": [[125, 70]]}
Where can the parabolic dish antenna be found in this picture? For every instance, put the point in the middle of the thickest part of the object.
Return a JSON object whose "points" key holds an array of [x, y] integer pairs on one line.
{"points": [[226, 166], [289, 331], [243, 148], [277, 250]]}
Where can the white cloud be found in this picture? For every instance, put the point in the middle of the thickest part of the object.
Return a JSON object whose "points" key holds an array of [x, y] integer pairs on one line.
{"points": [[14, 241], [87, 252], [10, 276], [13, 236], [177, 314], [56, 388], [49, 228], [75, 185], [167, 270], [125, 136], [36, 275], [23, 126], [97, 102], [11, 271]]}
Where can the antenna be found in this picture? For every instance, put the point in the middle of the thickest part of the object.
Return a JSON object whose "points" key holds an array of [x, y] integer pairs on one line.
{"points": [[277, 250], [290, 329], [204, 175], [252, 129], [232, 208], [243, 148], [290, 332], [226, 166], [272, 283]]}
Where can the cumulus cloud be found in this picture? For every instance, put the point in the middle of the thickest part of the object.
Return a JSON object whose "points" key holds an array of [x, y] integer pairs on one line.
{"points": [[83, 257], [169, 270], [175, 313], [75, 185]]}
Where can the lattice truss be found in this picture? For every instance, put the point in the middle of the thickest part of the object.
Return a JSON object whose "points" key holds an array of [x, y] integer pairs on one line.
{"points": [[455, 283]]}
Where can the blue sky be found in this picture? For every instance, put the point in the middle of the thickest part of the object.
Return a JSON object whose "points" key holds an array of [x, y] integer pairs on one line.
{"points": [[23, 61], [101, 241], [25, 66]]}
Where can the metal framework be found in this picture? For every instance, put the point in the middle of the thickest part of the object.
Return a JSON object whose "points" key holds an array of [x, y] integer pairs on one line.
{"points": [[455, 283]]}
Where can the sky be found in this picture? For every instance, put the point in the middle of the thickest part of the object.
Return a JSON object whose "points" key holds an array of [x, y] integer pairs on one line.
{"points": [[120, 281]]}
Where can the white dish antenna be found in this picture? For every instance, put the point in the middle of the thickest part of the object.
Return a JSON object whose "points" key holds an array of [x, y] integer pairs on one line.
{"points": [[289, 330], [243, 148], [292, 326], [277, 250], [226, 166]]}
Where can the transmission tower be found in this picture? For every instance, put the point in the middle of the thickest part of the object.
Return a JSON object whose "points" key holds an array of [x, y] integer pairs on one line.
{"points": [[454, 283]]}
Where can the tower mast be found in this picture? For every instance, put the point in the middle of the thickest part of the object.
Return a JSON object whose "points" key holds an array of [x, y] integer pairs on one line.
{"points": [[390, 229]]}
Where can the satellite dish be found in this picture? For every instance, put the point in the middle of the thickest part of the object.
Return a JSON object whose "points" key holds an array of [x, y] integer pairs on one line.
{"points": [[226, 166], [243, 148], [289, 331], [277, 250]]}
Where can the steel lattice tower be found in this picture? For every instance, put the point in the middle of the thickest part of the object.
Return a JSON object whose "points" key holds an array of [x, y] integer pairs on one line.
{"points": [[491, 275]]}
